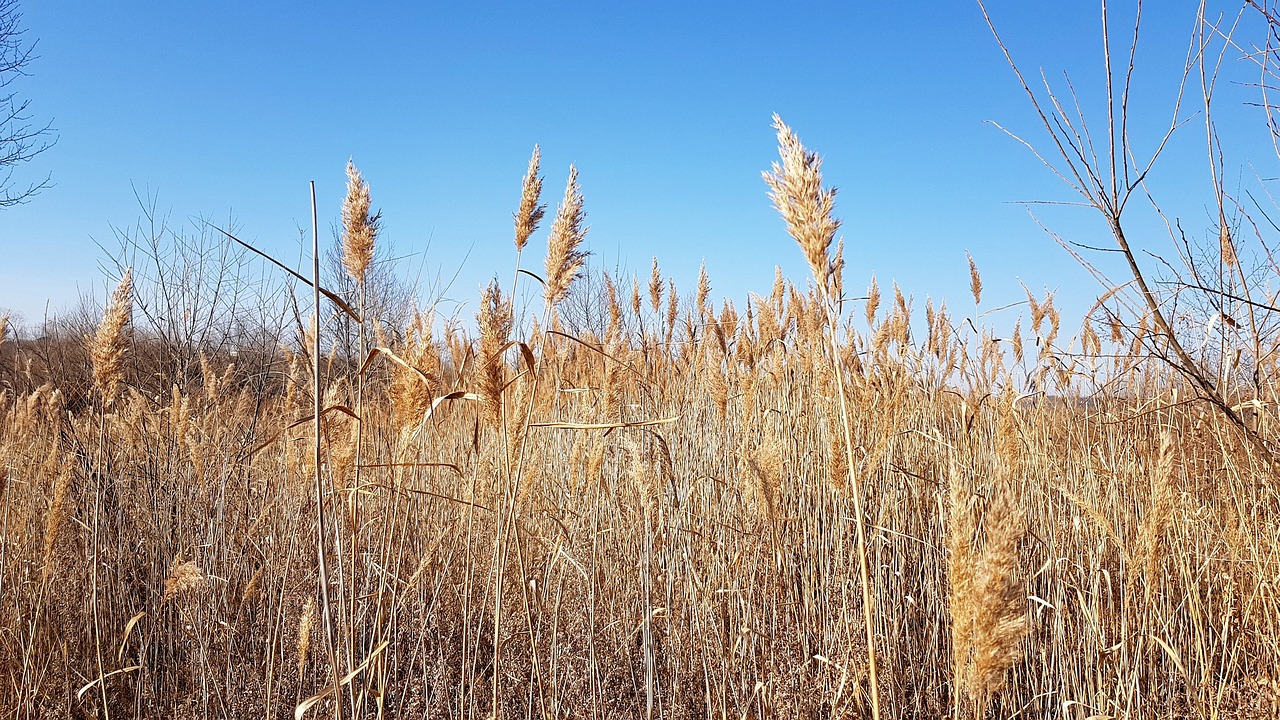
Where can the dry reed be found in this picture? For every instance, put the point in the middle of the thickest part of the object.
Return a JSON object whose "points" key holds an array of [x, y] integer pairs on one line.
{"points": [[359, 227], [108, 346]]}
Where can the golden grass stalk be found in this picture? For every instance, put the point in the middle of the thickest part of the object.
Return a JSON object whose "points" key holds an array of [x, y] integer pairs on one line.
{"points": [[975, 281], [531, 211], [873, 301], [764, 465], [494, 320], [807, 207], [987, 602], [1159, 512], [183, 578], [655, 285], [359, 228], [305, 623], [109, 346], [564, 258], [808, 210], [704, 289], [59, 511]]}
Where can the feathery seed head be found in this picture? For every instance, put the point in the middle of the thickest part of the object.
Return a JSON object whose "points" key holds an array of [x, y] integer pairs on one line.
{"points": [[1089, 341], [110, 343], [359, 228], [495, 324], [987, 601], [305, 623], [673, 305], [873, 301], [59, 511], [615, 308], [184, 577], [531, 212], [564, 259], [1228, 248], [1017, 340], [975, 281], [655, 286], [806, 207], [764, 464], [778, 292], [704, 289], [635, 296]]}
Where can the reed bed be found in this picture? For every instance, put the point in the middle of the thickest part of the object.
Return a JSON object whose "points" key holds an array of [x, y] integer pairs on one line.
{"points": [[800, 509]]}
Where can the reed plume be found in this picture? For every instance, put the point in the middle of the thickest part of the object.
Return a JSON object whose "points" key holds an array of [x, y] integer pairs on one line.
{"points": [[873, 301], [614, 329], [987, 602], [410, 394], [494, 319], [59, 511], [704, 289], [1159, 513], [807, 208], [305, 626], [975, 281], [183, 578], [110, 344], [673, 308], [655, 286], [564, 258], [763, 464], [531, 211], [635, 296], [359, 228]]}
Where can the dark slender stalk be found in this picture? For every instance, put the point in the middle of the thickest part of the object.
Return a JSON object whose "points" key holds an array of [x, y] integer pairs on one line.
{"points": [[316, 401]]}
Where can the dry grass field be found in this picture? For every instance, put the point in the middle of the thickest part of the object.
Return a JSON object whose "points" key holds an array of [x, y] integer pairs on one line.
{"points": [[623, 501], [772, 511]]}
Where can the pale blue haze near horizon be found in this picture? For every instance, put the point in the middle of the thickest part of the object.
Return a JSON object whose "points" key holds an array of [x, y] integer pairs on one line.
{"points": [[665, 108]]}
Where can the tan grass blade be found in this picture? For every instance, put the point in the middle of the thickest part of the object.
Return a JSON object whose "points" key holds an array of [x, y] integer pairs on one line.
{"points": [[605, 426], [374, 353], [428, 493], [128, 628], [80, 693], [310, 702], [451, 466], [594, 349], [1173, 655], [299, 422], [342, 304]]}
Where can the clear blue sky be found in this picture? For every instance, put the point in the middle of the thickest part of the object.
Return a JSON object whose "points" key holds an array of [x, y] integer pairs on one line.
{"points": [[228, 110]]}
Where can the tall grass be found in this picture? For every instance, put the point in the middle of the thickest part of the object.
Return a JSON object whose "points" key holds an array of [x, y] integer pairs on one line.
{"points": [[682, 511], [626, 526]]}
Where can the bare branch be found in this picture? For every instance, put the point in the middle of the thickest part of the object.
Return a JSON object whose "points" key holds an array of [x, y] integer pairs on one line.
{"points": [[21, 139]]}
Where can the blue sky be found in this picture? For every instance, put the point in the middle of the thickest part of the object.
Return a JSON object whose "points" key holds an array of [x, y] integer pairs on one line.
{"points": [[664, 107]]}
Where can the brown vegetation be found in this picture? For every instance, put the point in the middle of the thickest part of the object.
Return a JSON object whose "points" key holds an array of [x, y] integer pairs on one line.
{"points": [[679, 511]]}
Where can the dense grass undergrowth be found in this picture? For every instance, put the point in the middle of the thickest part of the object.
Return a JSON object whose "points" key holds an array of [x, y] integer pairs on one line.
{"points": [[801, 509]]}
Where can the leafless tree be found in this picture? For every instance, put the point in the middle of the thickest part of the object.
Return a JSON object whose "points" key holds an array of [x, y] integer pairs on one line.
{"points": [[1209, 315], [21, 138]]}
